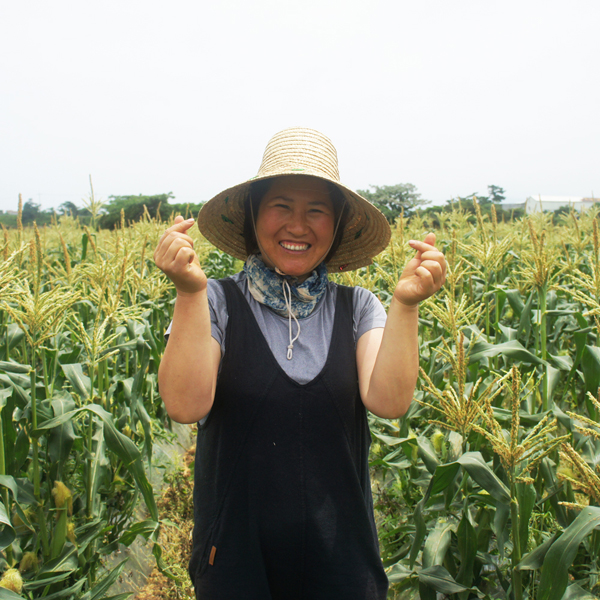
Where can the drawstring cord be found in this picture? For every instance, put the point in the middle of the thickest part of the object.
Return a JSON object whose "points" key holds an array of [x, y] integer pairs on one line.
{"points": [[288, 305]]}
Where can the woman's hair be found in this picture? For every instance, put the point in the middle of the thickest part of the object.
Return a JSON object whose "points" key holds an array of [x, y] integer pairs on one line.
{"points": [[259, 189]]}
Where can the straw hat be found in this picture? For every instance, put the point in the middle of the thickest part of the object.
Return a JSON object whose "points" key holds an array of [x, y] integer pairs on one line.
{"points": [[298, 151]]}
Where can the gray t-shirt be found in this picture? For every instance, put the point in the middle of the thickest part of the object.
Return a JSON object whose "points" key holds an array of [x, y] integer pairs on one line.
{"points": [[311, 348]]}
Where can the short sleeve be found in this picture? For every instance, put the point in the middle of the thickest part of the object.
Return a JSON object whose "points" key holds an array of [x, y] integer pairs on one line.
{"points": [[217, 305], [369, 313]]}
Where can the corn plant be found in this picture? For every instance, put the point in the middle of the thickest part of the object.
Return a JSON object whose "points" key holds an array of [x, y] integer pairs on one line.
{"points": [[489, 487]]}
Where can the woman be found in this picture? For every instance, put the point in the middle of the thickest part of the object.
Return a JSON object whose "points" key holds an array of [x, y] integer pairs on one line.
{"points": [[278, 366]]}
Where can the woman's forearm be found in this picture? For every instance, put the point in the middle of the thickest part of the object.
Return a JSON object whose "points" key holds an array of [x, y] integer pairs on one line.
{"points": [[188, 370], [396, 367]]}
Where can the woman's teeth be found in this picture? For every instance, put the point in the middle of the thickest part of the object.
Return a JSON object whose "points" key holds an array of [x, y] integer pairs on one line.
{"points": [[294, 247]]}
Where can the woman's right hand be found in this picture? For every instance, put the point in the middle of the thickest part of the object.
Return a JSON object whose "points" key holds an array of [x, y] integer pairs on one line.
{"points": [[175, 257]]}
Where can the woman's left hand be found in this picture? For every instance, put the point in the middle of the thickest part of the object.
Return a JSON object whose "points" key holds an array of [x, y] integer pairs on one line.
{"points": [[424, 275]]}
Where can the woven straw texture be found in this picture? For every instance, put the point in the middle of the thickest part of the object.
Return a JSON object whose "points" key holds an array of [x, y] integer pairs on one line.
{"points": [[298, 151]]}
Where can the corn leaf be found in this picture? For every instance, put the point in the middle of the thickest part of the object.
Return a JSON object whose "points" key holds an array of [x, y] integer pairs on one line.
{"points": [[8, 595], [13, 367], [104, 584], [438, 579], [555, 572], [535, 559], [81, 383], [7, 532], [437, 544]]}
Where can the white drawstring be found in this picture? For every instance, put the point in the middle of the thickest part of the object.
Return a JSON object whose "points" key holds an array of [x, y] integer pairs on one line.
{"points": [[288, 305]]}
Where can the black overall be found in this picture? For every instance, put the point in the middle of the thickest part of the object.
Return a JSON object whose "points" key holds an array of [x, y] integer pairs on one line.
{"points": [[282, 498]]}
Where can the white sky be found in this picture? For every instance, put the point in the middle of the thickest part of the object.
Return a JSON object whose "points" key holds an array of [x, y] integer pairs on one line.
{"points": [[151, 97]]}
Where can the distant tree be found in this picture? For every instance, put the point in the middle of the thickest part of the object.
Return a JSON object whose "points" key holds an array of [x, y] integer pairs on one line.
{"points": [[496, 194], [391, 199], [31, 211], [132, 206], [68, 208]]}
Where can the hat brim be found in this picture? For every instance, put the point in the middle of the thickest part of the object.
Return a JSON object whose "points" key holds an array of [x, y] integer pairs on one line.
{"points": [[366, 233]]}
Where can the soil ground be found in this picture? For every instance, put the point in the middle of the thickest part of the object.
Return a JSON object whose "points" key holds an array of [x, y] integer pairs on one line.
{"points": [[176, 509]]}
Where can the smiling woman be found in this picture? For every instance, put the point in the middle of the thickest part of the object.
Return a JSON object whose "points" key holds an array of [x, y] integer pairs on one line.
{"points": [[295, 225], [282, 496]]}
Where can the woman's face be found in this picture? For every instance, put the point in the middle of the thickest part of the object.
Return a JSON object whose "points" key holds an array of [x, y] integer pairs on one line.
{"points": [[295, 224]]}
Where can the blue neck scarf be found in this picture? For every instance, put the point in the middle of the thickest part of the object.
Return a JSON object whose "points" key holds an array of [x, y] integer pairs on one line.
{"points": [[266, 287]]}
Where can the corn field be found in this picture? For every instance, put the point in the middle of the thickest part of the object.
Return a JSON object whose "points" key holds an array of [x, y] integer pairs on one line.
{"points": [[489, 487]]}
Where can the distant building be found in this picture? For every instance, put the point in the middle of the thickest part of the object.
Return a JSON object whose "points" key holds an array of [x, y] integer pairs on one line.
{"points": [[552, 203]]}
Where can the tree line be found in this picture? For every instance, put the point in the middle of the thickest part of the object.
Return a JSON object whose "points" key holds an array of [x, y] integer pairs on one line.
{"points": [[392, 200]]}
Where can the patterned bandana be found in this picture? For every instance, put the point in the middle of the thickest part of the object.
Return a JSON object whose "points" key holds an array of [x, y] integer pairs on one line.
{"points": [[266, 287]]}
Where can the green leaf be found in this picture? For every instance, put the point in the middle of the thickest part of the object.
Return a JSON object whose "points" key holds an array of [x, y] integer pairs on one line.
{"points": [[500, 526], [399, 573], [576, 592], [13, 367], [514, 299], [48, 579], [590, 363], [535, 559], [144, 528], [121, 445], [162, 566], [427, 453], [420, 532], [554, 578], [477, 468], [437, 544], [564, 363], [65, 563], [84, 245], [81, 383], [7, 533], [388, 440], [513, 349], [104, 584], [20, 395], [425, 592], [5, 394], [8, 595], [440, 580], [70, 592], [525, 320], [18, 378], [553, 377], [553, 488], [444, 475], [467, 548], [88, 533], [15, 334], [526, 497], [59, 537], [61, 438]]}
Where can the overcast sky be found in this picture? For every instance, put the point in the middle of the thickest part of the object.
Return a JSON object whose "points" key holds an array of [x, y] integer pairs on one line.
{"points": [[151, 97]]}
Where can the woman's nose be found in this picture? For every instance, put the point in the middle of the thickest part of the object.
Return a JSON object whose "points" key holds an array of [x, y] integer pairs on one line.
{"points": [[297, 223]]}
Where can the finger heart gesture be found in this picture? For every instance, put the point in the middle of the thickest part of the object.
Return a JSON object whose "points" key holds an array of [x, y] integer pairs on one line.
{"points": [[424, 275]]}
